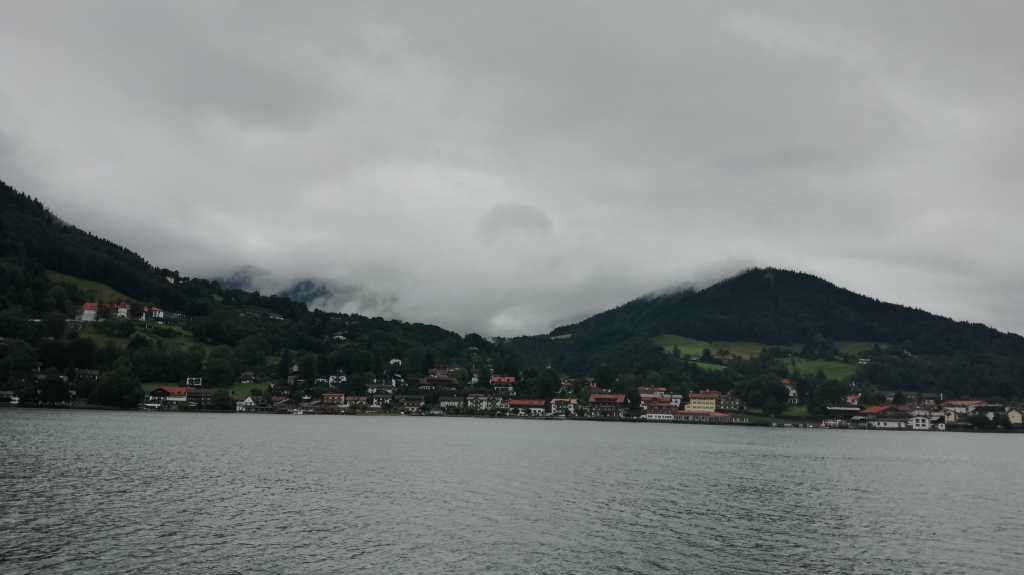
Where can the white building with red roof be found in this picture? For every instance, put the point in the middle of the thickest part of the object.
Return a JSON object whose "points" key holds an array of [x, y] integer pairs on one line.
{"points": [[90, 309]]}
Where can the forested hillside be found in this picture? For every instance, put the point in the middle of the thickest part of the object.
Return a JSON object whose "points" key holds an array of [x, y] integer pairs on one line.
{"points": [[744, 334], [49, 269], [800, 319]]}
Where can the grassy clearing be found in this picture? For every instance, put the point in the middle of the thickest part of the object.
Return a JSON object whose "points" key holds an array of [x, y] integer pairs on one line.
{"points": [[695, 347], [832, 369], [709, 366], [88, 331], [91, 290], [857, 347], [796, 411]]}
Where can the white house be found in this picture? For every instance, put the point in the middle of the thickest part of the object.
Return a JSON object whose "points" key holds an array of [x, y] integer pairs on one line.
{"points": [[89, 311], [1016, 416], [563, 406], [121, 311], [920, 423], [452, 402], [792, 391], [246, 405]]}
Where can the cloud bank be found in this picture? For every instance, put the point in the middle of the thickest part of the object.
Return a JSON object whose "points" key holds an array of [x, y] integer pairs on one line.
{"points": [[500, 168]]}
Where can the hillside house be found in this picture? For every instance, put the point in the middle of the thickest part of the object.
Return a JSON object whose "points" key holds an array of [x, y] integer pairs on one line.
{"points": [[90, 310], [504, 385], [793, 394], [121, 310]]}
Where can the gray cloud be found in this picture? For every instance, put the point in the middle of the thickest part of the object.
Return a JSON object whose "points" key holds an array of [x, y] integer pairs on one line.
{"points": [[500, 168]]}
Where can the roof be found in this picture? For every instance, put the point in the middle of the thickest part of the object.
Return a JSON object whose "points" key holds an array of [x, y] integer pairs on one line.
{"points": [[706, 394], [608, 397], [875, 409], [503, 379], [526, 403], [173, 390], [90, 305], [964, 403]]}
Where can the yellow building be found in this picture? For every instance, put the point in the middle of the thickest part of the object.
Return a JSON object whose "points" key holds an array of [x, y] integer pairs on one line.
{"points": [[704, 401]]}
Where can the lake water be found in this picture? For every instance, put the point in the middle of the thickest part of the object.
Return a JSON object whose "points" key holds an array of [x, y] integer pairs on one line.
{"points": [[106, 492]]}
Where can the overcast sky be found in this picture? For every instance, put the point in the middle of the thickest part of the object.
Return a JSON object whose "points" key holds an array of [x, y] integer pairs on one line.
{"points": [[502, 168]]}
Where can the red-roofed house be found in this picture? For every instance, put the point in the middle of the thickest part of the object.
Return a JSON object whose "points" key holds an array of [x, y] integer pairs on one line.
{"points": [[504, 385], [121, 310], [89, 311], [704, 401], [527, 407], [794, 393], [607, 405], [168, 397]]}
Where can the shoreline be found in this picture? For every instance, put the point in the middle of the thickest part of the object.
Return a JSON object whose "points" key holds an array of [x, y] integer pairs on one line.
{"points": [[771, 423]]}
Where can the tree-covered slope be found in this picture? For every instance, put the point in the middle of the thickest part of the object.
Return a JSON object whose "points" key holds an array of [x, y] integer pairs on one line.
{"points": [[782, 307], [804, 319]]}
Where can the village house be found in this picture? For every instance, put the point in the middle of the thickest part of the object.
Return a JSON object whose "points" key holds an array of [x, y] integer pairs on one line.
{"points": [[247, 378], [89, 311], [194, 381], [729, 402], [608, 405], [887, 416], [1015, 415], [919, 423], [355, 401], [657, 408], [841, 416], [504, 385], [410, 404], [167, 397], [527, 407], [962, 407], [564, 406], [450, 403], [703, 401], [121, 310], [485, 403], [247, 405], [152, 314], [337, 379], [793, 397], [332, 398]]}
